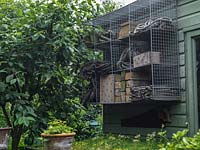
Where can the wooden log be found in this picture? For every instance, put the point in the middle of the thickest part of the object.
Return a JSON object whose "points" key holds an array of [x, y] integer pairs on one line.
{"points": [[123, 86], [146, 58], [128, 91], [123, 73], [117, 85], [117, 99], [123, 97], [141, 92], [128, 98], [118, 92], [117, 77], [129, 83]]}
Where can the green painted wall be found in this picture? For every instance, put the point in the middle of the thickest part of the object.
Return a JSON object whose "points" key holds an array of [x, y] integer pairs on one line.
{"points": [[188, 18]]}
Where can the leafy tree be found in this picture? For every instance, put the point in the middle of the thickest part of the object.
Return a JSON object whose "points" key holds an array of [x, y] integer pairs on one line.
{"points": [[41, 52]]}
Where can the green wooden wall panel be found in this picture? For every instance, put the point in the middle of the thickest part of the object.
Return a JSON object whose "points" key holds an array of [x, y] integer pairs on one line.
{"points": [[180, 36], [183, 2], [181, 47], [189, 8], [189, 20], [183, 96], [182, 59], [178, 121], [117, 129], [179, 109], [183, 82], [125, 108], [182, 71]]}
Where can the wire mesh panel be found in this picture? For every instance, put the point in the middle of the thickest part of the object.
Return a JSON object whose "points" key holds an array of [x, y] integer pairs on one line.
{"points": [[164, 41], [139, 42]]}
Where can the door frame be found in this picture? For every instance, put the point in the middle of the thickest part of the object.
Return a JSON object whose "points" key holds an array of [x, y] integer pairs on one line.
{"points": [[191, 80]]}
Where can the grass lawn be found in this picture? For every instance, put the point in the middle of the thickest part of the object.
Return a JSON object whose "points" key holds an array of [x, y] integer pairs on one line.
{"points": [[113, 143]]}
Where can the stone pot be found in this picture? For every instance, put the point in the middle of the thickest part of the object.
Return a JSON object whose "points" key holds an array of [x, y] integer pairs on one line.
{"points": [[4, 138], [58, 141]]}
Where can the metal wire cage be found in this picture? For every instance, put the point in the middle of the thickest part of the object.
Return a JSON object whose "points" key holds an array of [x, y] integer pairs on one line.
{"points": [[139, 41]]}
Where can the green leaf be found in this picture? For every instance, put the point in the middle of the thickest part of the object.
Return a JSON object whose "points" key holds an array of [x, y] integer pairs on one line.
{"points": [[13, 81], [9, 78], [2, 87], [19, 12]]}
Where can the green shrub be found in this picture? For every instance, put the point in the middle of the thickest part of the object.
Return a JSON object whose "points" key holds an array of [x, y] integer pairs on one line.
{"points": [[58, 127], [180, 141]]}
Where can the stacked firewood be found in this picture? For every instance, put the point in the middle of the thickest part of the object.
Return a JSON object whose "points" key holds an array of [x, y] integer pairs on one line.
{"points": [[141, 92]]}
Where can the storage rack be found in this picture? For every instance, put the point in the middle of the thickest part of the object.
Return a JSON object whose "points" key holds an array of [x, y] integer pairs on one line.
{"points": [[139, 41]]}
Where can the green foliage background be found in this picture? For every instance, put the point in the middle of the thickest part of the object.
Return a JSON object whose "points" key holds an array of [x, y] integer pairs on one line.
{"points": [[41, 52]]}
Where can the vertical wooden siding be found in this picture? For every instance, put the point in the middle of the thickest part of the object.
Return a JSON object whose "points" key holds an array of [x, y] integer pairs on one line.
{"points": [[188, 15]]}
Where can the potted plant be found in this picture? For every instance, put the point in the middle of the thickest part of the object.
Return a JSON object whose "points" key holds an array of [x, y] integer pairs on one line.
{"points": [[58, 136], [4, 137]]}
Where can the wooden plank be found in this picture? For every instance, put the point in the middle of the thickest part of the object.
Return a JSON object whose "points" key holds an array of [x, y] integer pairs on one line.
{"points": [[126, 28], [180, 36], [181, 47], [146, 58], [189, 20], [189, 8], [183, 2], [182, 71], [182, 59], [183, 82], [183, 96]]}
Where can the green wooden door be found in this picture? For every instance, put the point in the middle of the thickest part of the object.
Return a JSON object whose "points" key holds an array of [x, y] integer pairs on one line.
{"points": [[191, 84]]}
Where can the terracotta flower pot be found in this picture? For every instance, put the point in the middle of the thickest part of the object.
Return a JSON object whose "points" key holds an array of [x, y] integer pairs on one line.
{"points": [[58, 141], [4, 138]]}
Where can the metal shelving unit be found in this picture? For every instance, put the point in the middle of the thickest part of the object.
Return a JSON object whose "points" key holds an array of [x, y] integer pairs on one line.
{"points": [[139, 39]]}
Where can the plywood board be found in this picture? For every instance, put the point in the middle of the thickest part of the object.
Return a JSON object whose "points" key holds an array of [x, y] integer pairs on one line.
{"points": [[107, 88], [126, 28], [146, 58]]}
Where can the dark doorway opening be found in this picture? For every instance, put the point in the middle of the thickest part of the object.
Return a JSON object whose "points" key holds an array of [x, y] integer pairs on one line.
{"points": [[198, 74]]}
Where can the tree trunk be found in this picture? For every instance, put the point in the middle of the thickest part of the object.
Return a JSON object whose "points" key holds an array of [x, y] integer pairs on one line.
{"points": [[7, 116], [16, 136]]}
